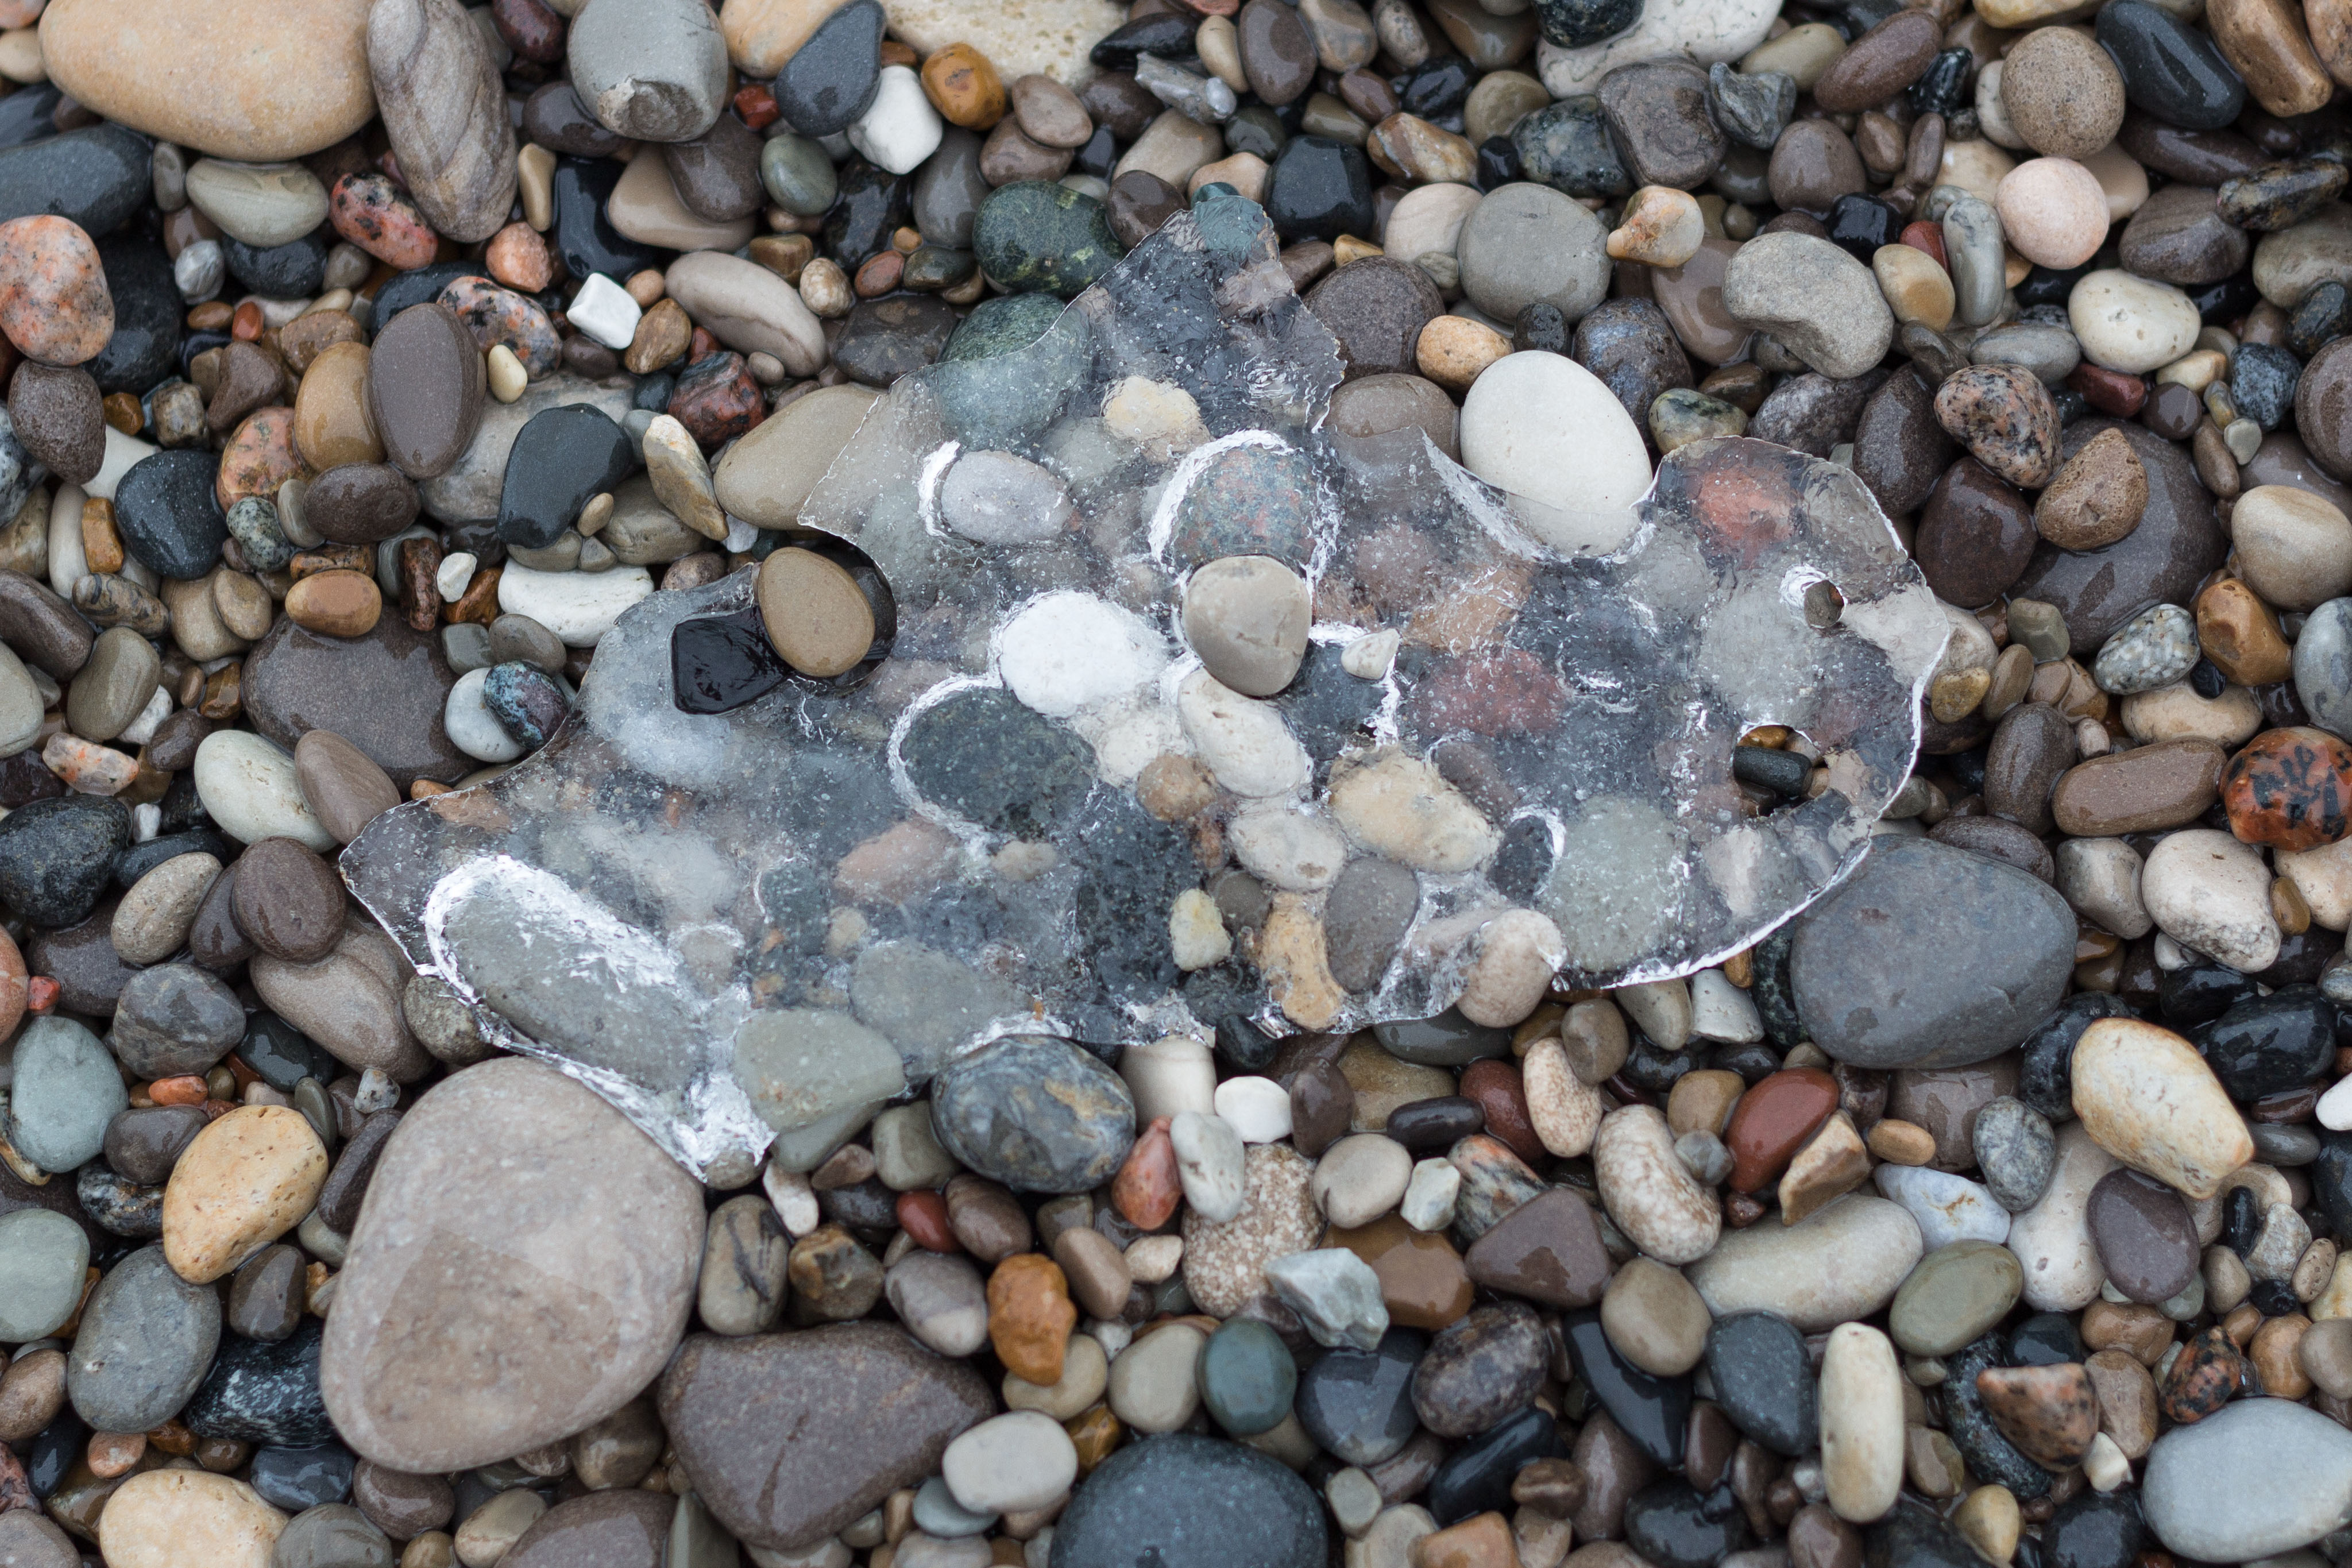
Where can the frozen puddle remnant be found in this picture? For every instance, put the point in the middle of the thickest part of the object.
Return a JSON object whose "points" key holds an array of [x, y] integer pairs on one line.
{"points": [[1197, 715]]}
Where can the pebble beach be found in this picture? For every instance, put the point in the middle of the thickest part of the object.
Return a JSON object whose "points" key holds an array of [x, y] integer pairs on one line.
{"points": [[1175, 784]]}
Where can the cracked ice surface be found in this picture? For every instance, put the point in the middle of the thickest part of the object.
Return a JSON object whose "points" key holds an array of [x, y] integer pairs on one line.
{"points": [[720, 920]]}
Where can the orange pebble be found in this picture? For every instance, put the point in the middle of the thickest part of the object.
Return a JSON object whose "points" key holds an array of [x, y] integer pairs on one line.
{"points": [[245, 326], [757, 106], [517, 257], [187, 1088], [1146, 1189], [113, 1453], [41, 994], [1030, 1316]]}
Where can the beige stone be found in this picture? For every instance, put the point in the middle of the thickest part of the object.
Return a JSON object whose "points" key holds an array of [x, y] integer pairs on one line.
{"points": [[2295, 548], [1916, 289], [645, 206], [1655, 1200], [2147, 1098], [1565, 1110], [1862, 1422], [259, 80], [2324, 878], [765, 478], [523, 1266], [1453, 350], [761, 34], [246, 1180], [1050, 38], [1225, 1263], [1661, 226], [175, 1518]]}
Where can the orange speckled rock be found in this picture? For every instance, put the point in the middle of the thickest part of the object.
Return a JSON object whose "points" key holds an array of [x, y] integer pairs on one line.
{"points": [[496, 315], [2291, 789], [1772, 1121], [261, 456], [375, 215], [518, 257], [54, 303], [1030, 1316], [1146, 1189]]}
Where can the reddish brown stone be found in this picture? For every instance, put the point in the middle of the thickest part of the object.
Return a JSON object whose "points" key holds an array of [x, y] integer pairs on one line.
{"points": [[1146, 1189], [924, 1216], [2290, 789], [260, 457], [1548, 1250], [716, 399], [2051, 1413], [2207, 1372], [1423, 1281], [496, 315], [1494, 1086], [2108, 391], [1502, 692], [375, 215], [420, 590], [1772, 1121]]}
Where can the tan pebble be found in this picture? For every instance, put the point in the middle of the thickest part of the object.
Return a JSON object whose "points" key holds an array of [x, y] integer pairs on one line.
{"points": [[1655, 1200], [1834, 1163], [177, 1518], [1347, 248], [2098, 498], [1453, 350], [824, 287], [1661, 227], [1954, 696], [1901, 1142], [1566, 1110], [1990, 1520], [505, 375], [340, 603], [1916, 289], [1246, 172], [2146, 1097], [246, 1180], [2054, 211], [815, 613], [245, 606]]}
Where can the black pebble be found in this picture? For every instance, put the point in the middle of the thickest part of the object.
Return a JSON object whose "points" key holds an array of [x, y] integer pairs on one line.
{"points": [[1319, 189], [170, 515], [717, 663], [831, 79], [57, 857], [1764, 1381], [1652, 1410], [561, 457]]}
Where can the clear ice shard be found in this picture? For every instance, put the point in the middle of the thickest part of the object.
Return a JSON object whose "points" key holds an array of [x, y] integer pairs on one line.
{"points": [[728, 923]]}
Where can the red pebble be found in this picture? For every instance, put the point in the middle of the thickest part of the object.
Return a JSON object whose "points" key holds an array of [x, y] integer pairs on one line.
{"points": [[2290, 789], [1926, 237], [247, 324], [2109, 390], [1494, 1086], [41, 994], [375, 215], [924, 1216], [1147, 1189], [187, 1088], [756, 106], [701, 345], [716, 399]]}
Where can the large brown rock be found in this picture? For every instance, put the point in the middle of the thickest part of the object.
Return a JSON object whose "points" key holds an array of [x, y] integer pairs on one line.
{"points": [[523, 1266], [788, 1437], [258, 81], [384, 692]]}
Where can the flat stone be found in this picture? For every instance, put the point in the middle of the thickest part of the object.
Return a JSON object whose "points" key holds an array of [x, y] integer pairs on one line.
{"points": [[1841, 1263], [146, 1338], [2258, 1477], [1193, 1503], [514, 1180]]}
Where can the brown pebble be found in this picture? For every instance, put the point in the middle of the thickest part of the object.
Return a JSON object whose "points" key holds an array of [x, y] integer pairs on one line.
{"points": [[288, 900], [338, 604], [816, 615], [2098, 497]]}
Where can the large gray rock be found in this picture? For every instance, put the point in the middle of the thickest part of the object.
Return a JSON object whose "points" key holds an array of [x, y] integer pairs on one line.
{"points": [[655, 70], [146, 1338], [445, 111], [1185, 1501], [1824, 306], [2256, 1477], [523, 1266], [1038, 1114], [1930, 957]]}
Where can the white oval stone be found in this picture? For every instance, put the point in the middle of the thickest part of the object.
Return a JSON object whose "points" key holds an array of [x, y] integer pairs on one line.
{"points": [[1427, 221], [1000, 498], [1948, 1209], [1862, 1422], [1066, 652], [2131, 323], [1722, 1011], [1648, 1190], [1841, 1263], [900, 128], [2147, 1098], [473, 728], [1256, 1108], [253, 793], [2206, 890], [1363, 1176], [2053, 1238], [579, 607], [1545, 430], [1010, 1463], [1244, 741]]}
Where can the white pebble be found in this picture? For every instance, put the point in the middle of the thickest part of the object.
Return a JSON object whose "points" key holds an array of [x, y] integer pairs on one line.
{"points": [[1545, 430], [579, 607], [900, 129], [1335, 1294], [473, 728], [1208, 1165], [1948, 1209], [1722, 1011], [249, 788], [1066, 652], [142, 729], [794, 1199], [1022, 1459], [1256, 1108], [2105, 1465], [1244, 743], [200, 272], [1429, 1197], [2206, 890], [454, 574], [603, 310], [2130, 323], [2335, 1107]]}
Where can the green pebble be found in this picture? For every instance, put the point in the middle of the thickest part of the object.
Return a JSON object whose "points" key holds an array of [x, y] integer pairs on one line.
{"points": [[2041, 629], [1247, 1378], [1955, 1294], [1680, 416], [43, 1257], [1034, 237], [799, 177]]}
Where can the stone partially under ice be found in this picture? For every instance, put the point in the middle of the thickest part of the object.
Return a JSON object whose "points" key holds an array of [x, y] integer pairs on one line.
{"points": [[729, 923]]}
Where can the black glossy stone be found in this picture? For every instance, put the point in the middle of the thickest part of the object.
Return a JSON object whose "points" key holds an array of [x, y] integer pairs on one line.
{"points": [[294, 270], [2273, 1297], [1911, 1537], [118, 1206], [1671, 1525], [1319, 189], [1862, 224], [280, 1054], [2325, 315], [422, 285], [1358, 1405], [2262, 378], [2094, 1530], [148, 313], [140, 858], [2044, 286], [2205, 677], [29, 114], [2242, 1221], [585, 241], [561, 457], [870, 203], [1567, 145], [1947, 86], [98, 176], [2171, 71], [2267, 1043], [1764, 1381], [297, 1479], [57, 857], [830, 80], [1035, 1113], [1186, 1501], [2045, 1339], [1989, 1455], [1099, 156], [1446, 1040], [2331, 1180], [2202, 993], [1768, 767], [1652, 1410], [720, 662], [1167, 33], [2045, 1078], [1437, 87], [1498, 163], [263, 1392], [169, 513], [527, 702], [1476, 1477], [54, 1451], [1427, 1125]]}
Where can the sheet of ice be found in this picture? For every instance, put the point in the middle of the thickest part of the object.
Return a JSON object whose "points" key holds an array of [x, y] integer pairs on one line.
{"points": [[971, 842]]}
